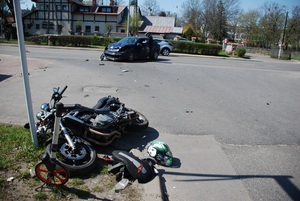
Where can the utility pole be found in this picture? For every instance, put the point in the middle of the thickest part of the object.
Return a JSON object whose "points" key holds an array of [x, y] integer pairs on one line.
{"points": [[128, 19], [283, 36]]}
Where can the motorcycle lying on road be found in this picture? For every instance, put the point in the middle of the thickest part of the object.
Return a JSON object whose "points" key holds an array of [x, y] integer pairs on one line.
{"points": [[104, 122], [100, 125]]}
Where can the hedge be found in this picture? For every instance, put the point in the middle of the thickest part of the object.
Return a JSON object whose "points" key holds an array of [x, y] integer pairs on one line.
{"points": [[196, 48], [71, 40], [85, 41]]}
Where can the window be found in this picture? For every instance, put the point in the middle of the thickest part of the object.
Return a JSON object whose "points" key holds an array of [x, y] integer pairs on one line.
{"points": [[37, 26], [64, 7], [106, 10], [97, 28], [88, 29], [84, 9], [58, 7]]}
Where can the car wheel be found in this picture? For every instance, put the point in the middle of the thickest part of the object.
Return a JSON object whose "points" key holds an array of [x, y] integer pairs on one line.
{"points": [[165, 52]]}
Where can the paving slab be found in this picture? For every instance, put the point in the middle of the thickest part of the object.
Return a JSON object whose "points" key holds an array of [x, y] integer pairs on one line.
{"points": [[202, 172]]}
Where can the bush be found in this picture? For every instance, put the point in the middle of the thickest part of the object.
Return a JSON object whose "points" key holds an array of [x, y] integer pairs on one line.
{"points": [[71, 40], [241, 52], [196, 48]]}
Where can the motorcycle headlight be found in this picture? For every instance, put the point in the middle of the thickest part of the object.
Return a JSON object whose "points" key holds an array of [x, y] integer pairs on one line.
{"points": [[39, 115], [45, 107]]}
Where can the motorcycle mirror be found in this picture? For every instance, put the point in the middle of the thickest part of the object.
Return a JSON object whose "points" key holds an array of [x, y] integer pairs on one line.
{"points": [[55, 90]]}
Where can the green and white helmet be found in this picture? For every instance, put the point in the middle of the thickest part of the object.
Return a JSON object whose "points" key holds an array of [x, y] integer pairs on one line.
{"points": [[161, 152]]}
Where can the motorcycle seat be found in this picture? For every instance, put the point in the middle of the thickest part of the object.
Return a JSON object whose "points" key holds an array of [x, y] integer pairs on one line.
{"points": [[137, 168]]}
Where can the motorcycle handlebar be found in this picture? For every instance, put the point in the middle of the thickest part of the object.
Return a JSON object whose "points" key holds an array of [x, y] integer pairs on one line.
{"points": [[63, 90]]}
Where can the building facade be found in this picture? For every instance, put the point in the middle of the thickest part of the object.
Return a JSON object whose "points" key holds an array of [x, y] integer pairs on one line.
{"points": [[78, 17], [73, 17]]}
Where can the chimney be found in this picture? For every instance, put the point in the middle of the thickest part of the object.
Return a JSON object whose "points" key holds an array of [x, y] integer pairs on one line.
{"points": [[112, 3], [94, 3]]}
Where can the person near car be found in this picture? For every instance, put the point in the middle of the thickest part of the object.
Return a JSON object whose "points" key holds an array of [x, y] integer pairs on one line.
{"points": [[150, 42]]}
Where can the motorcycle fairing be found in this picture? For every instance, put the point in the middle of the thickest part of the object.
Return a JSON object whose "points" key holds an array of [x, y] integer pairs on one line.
{"points": [[137, 168]]}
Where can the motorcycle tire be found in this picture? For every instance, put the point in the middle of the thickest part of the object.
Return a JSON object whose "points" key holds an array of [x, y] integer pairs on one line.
{"points": [[78, 163], [140, 124]]}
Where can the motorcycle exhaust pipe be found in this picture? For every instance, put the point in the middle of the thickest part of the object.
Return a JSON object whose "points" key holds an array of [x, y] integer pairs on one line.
{"points": [[111, 136]]}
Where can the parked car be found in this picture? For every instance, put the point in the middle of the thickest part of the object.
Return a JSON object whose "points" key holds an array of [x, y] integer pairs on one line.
{"points": [[182, 39], [165, 46], [131, 48]]}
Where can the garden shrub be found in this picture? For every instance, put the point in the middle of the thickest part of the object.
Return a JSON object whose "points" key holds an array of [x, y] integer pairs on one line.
{"points": [[196, 48], [241, 52]]}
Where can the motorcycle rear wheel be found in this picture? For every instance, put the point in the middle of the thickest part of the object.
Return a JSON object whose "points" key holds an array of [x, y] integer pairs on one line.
{"points": [[139, 124], [79, 162]]}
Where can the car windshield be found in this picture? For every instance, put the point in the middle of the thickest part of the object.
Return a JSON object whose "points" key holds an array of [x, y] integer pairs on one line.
{"points": [[128, 40]]}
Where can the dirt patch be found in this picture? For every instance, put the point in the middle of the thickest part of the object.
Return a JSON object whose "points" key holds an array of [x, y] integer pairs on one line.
{"points": [[98, 185]]}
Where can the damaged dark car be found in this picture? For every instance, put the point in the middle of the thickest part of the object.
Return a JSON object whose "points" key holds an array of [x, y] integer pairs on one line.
{"points": [[130, 49]]}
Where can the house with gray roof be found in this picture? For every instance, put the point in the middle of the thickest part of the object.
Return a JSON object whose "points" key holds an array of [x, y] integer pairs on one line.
{"points": [[160, 26]]}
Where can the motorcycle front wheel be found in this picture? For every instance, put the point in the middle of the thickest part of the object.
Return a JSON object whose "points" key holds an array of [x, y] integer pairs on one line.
{"points": [[78, 162], [139, 124]]}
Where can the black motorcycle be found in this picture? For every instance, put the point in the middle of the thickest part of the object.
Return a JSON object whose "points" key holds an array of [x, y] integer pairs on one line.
{"points": [[100, 125], [105, 122]]}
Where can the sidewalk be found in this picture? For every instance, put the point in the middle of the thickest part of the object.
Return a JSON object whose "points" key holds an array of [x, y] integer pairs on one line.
{"points": [[203, 173]]}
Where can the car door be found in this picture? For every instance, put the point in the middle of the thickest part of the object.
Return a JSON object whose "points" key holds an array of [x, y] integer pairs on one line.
{"points": [[143, 48]]}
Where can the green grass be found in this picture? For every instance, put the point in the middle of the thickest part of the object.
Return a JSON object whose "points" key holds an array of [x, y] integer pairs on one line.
{"points": [[40, 196], [17, 150], [16, 147], [296, 58], [16, 144]]}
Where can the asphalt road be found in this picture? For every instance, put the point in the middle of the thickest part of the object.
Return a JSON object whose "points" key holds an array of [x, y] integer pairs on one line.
{"points": [[250, 107]]}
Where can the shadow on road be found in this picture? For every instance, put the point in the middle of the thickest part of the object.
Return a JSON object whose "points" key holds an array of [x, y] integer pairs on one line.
{"points": [[3, 77], [284, 181]]}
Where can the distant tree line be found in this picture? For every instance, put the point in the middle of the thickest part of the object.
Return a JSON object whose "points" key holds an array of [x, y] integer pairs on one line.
{"points": [[266, 26], [269, 25]]}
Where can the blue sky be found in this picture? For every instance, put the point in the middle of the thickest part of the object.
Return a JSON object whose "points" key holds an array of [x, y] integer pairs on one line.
{"points": [[175, 5]]}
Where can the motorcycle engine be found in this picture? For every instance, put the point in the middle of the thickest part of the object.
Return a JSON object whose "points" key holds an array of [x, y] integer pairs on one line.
{"points": [[105, 119]]}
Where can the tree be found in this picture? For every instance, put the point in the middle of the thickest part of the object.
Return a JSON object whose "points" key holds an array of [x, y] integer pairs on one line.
{"points": [[79, 25], [188, 31], [150, 7], [191, 13], [219, 30], [108, 27], [293, 29], [271, 23], [248, 25], [162, 14], [134, 24], [207, 17], [232, 9]]}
